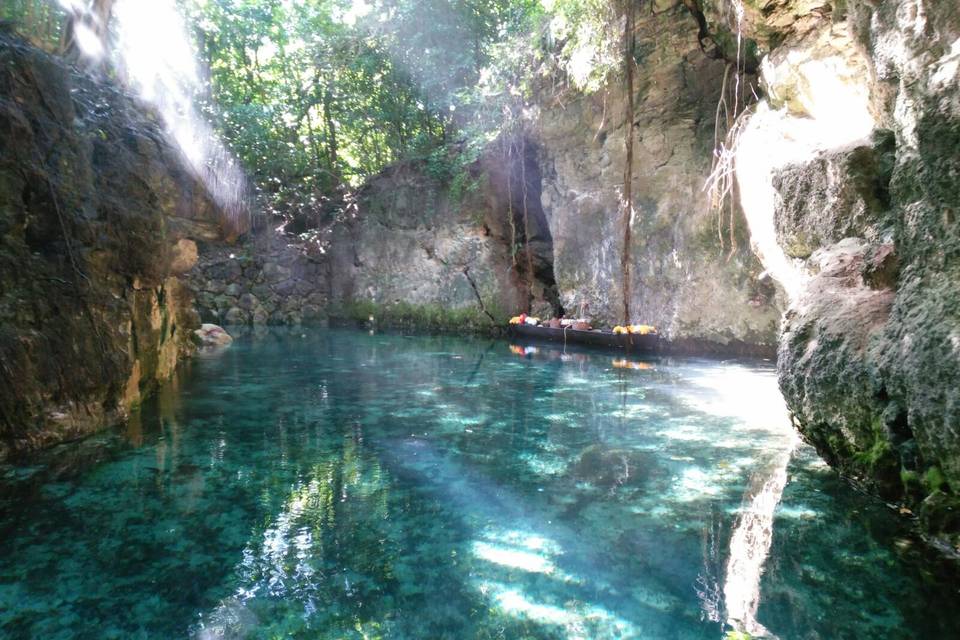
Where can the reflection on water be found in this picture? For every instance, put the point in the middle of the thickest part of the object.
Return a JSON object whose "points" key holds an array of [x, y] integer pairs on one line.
{"points": [[342, 485], [750, 545]]}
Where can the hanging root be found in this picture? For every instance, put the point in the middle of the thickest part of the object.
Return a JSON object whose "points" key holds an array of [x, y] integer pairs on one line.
{"points": [[721, 183], [508, 157]]}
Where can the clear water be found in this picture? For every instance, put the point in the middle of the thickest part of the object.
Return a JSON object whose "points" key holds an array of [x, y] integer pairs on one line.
{"points": [[342, 485]]}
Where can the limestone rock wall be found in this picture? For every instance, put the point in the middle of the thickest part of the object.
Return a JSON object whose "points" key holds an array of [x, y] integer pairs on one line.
{"points": [[693, 273], [870, 355], [686, 279], [97, 220], [413, 242]]}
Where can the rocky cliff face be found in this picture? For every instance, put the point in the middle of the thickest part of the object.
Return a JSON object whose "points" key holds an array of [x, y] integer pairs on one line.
{"points": [[870, 354], [560, 184], [97, 220], [688, 275], [416, 241], [692, 271]]}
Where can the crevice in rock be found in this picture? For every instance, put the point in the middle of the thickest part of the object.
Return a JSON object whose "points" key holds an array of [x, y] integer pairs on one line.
{"points": [[748, 62], [476, 292], [518, 221]]}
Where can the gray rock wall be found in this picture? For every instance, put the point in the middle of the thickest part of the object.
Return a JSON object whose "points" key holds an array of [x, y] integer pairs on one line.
{"points": [[870, 355], [685, 278], [413, 242]]}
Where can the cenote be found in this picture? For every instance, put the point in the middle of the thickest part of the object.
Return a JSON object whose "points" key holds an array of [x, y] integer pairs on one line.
{"points": [[279, 281], [340, 484]]}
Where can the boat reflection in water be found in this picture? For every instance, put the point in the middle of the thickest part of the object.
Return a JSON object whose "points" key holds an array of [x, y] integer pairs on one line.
{"points": [[531, 352]]}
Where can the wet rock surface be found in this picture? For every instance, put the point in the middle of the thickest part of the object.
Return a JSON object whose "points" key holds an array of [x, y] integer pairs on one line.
{"points": [[211, 335], [692, 274], [870, 354], [96, 219]]}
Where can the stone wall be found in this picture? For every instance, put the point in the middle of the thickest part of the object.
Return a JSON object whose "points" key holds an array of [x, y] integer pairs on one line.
{"points": [[98, 218], [870, 355], [269, 279], [688, 276]]}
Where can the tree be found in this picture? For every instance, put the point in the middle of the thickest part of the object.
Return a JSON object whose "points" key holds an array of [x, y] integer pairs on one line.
{"points": [[85, 30]]}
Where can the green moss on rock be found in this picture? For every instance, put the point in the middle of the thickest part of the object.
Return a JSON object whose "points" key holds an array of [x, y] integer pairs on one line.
{"points": [[421, 317]]}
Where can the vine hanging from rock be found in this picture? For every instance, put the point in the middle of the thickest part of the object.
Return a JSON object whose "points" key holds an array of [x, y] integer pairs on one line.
{"points": [[629, 45]]}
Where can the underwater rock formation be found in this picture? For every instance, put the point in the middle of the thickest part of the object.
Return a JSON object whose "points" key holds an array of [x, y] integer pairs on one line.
{"points": [[97, 218]]}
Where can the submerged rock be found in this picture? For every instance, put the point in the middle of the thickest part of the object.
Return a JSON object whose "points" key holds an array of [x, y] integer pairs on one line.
{"points": [[609, 468]]}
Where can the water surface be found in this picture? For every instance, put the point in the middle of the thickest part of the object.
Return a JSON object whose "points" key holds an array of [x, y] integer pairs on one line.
{"points": [[335, 484]]}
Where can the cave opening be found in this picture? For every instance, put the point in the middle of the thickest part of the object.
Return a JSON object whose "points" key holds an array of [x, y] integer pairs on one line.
{"points": [[519, 221]]}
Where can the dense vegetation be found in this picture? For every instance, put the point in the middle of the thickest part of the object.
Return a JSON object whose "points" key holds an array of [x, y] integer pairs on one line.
{"points": [[313, 96]]}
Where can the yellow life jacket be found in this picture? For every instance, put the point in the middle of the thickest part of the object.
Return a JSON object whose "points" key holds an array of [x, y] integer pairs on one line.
{"points": [[641, 329]]}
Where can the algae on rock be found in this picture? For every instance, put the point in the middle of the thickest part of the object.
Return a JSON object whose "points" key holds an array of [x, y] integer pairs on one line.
{"points": [[870, 354]]}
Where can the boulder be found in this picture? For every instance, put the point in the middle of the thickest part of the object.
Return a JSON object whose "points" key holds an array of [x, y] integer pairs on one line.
{"points": [[211, 335], [249, 301], [235, 316], [184, 256]]}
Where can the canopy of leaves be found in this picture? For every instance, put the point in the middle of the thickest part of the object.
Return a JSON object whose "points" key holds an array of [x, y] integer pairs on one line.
{"points": [[314, 96]]}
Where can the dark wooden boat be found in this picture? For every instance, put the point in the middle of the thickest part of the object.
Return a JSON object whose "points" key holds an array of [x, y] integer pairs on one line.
{"points": [[649, 343]]}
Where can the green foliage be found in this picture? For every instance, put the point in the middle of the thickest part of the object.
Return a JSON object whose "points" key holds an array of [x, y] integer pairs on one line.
{"points": [[308, 102], [455, 167], [934, 480], [879, 461], [910, 481], [39, 21], [585, 38], [878, 451], [315, 96]]}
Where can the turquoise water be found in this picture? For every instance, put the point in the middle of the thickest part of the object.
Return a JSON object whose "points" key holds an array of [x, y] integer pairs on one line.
{"points": [[343, 485]]}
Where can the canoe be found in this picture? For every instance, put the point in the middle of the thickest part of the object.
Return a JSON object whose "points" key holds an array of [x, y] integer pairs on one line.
{"points": [[649, 343]]}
